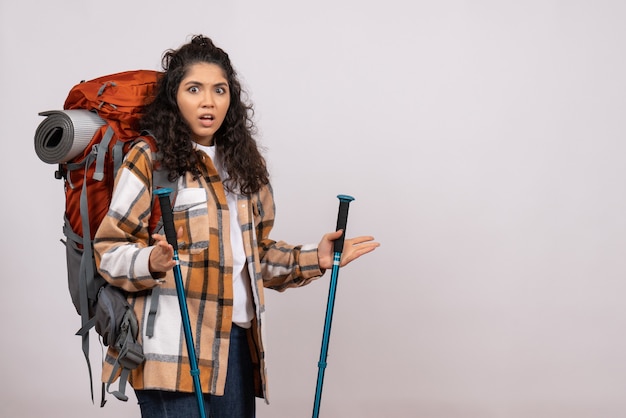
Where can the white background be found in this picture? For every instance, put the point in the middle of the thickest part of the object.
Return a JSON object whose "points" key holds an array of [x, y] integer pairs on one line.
{"points": [[483, 142]]}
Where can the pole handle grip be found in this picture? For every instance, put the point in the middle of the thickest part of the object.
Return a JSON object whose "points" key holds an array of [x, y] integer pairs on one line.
{"points": [[342, 220], [168, 217]]}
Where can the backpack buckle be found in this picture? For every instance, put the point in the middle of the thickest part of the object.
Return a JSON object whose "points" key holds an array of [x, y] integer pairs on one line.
{"points": [[131, 355]]}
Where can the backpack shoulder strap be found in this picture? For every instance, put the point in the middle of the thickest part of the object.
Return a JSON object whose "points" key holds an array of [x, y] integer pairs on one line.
{"points": [[160, 179]]}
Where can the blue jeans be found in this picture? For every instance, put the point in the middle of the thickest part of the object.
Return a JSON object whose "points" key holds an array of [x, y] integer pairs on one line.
{"points": [[238, 400]]}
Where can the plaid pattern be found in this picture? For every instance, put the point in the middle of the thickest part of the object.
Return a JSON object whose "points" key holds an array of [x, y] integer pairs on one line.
{"points": [[122, 248]]}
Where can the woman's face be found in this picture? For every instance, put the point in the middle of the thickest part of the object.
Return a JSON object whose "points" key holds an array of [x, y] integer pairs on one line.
{"points": [[203, 98]]}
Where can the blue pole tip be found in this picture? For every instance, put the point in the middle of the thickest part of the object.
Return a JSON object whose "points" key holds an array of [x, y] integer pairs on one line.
{"points": [[345, 198], [163, 191]]}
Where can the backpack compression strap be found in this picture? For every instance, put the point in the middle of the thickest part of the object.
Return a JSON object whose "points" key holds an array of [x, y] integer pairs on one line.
{"points": [[87, 273], [130, 356], [87, 269]]}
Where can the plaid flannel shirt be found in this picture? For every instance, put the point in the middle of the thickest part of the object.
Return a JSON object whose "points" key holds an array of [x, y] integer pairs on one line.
{"points": [[122, 247]]}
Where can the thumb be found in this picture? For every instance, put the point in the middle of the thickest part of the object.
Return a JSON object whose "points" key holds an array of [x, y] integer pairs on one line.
{"points": [[336, 235]]}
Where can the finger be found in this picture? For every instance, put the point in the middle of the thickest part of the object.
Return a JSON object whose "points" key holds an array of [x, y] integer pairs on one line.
{"points": [[159, 237], [359, 240], [355, 251], [364, 249], [163, 244]]}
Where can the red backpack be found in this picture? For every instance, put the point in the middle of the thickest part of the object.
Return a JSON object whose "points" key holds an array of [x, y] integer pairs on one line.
{"points": [[89, 139], [118, 99]]}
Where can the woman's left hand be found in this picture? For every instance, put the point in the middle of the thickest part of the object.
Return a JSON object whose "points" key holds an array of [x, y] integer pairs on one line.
{"points": [[353, 248]]}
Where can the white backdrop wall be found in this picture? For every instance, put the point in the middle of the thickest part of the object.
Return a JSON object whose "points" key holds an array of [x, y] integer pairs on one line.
{"points": [[483, 141]]}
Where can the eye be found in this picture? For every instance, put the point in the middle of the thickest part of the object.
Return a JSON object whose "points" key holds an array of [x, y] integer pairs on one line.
{"points": [[220, 90], [193, 89]]}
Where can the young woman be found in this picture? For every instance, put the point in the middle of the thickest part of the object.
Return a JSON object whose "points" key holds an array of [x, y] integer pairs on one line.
{"points": [[223, 211]]}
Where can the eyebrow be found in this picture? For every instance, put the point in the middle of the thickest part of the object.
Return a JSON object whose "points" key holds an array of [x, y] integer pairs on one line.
{"points": [[197, 83]]}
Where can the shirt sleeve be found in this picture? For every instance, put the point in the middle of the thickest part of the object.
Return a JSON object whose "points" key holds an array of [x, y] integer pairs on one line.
{"points": [[121, 244], [282, 265]]}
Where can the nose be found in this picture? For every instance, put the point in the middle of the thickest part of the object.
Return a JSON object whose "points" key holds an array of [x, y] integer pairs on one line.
{"points": [[207, 99]]}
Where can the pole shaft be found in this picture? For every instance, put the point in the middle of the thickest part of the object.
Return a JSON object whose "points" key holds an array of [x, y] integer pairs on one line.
{"points": [[170, 234], [342, 220]]}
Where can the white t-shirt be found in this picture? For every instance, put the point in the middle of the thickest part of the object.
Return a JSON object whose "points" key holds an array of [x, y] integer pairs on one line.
{"points": [[243, 311]]}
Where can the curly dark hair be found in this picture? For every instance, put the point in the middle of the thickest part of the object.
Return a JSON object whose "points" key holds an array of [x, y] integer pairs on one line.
{"points": [[234, 141]]}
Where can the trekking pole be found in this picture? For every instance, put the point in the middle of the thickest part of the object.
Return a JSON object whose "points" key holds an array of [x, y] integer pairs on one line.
{"points": [[170, 234], [342, 220]]}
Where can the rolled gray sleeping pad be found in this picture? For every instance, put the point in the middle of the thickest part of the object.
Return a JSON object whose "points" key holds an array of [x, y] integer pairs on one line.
{"points": [[64, 134]]}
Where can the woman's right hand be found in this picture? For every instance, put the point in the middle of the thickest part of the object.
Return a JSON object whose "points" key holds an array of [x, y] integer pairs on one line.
{"points": [[162, 255]]}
